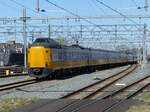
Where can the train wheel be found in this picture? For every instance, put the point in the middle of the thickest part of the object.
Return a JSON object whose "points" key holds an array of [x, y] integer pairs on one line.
{"points": [[37, 78], [54, 75]]}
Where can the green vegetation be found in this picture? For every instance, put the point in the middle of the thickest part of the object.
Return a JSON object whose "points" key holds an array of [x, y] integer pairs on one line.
{"points": [[143, 107], [8, 104], [140, 108], [147, 97]]}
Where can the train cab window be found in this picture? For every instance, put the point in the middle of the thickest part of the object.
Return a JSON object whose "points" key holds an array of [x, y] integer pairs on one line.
{"points": [[47, 42], [41, 40]]}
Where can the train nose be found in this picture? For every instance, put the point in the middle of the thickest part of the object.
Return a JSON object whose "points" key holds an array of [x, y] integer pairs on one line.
{"points": [[37, 57], [37, 71]]}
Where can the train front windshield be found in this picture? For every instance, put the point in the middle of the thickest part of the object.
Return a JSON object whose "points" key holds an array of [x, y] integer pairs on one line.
{"points": [[41, 40]]}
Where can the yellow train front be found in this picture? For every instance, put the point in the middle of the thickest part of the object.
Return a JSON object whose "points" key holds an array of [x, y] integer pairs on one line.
{"points": [[39, 57], [45, 57]]}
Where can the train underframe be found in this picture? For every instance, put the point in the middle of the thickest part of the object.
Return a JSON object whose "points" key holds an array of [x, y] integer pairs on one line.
{"points": [[50, 73]]}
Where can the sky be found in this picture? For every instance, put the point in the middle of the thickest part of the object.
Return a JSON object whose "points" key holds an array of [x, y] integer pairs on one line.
{"points": [[14, 8], [81, 7]]}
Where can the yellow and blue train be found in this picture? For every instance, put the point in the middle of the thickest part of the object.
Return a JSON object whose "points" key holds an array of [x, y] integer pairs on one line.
{"points": [[46, 57]]}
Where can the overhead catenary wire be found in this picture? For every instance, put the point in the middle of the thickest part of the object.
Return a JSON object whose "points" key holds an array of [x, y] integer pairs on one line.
{"points": [[116, 11], [135, 3], [19, 4], [34, 11], [15, 9], [89, 21], [76, 15], [95, 4], [7, 5]]}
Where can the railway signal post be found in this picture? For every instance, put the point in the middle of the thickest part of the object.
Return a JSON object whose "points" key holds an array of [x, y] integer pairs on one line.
{"points": [[24, 19], [144, 47]]}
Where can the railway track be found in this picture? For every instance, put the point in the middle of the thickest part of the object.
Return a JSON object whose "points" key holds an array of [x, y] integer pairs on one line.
{"points": [[114, 106], [126, 97], [132, 93], [32, 81], [106, 103], [93, 89], [17, 84], [89, 91]]}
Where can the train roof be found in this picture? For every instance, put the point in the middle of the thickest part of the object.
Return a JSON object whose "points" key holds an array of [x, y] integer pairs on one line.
{"points": [[46, 42], [74, 46], [51, 43]]}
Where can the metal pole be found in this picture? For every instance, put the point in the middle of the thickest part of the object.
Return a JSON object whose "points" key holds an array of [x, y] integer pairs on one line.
{"points": [[67, 42], [81, 31], [49, 31], [15, 29], [116, 36], [25, 38], [144, 45], [32, 36], [38, 6], [67, 27], [146, 5]]}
